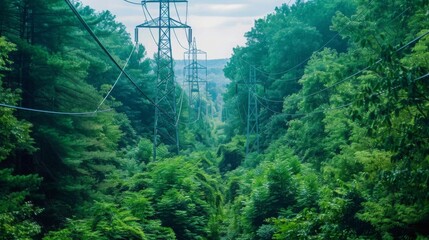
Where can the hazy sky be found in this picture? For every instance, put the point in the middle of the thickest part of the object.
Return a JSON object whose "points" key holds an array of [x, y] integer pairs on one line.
{"points": [[218, 25]]}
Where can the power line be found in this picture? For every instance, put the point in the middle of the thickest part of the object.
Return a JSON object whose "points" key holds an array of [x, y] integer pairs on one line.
{"points": [[268, 108], [339, 82], [131, 2], [270, 100], [198, 117], [422, 77], [180, 109], [281, 80], [180, 20], [348, 104], [343, 80], [144, 8], [328, 109], [53, 112], [303, 115], [413, 41], [97, 40], [358, 72], [187, 13], [375, 94], [364, 69], [177, 39], [77, 113], [177, 12], [117, 79], [396, 17], [186, 19]]}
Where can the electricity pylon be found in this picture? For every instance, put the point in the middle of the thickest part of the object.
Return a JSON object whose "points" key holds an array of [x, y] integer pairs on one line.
{"points": [[193, 78], [252, 136], [165, 124]]}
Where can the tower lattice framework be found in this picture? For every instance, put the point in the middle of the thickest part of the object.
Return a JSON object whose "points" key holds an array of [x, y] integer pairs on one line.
{"points": [[166, 129]]}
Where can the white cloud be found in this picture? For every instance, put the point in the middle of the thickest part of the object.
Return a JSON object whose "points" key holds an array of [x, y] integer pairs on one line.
{"points": [[226, 7]]}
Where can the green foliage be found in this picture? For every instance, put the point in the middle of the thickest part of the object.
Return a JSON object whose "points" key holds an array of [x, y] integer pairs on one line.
{"points": [[280, 45], [347, 156], [15, 134], [180, 204], [17, 213], [344, 150], [144, 150], [107, 222], [232, 154], [5, 48]]}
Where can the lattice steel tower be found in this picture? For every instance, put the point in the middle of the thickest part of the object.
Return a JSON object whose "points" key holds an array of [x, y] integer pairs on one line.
{"points": [[165, 124], [252, 136], [194, 80]]}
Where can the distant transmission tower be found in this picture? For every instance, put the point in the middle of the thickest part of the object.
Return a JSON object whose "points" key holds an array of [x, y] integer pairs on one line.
{"points": [[252, 136], [165, 124], [193, 78]]}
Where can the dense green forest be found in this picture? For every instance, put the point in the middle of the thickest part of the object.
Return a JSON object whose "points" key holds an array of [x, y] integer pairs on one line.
{"points": [[344, 130]]}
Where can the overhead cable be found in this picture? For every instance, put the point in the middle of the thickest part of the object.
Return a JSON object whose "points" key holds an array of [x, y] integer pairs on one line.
{"points": [[366, 68], [180, 20], [53, 112], [269, 100], [131, 2], [177, 38], [145, 9], [75, 113], [348, 104], [180, 109], [97, 40], [117, 79], [267, 107]]}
